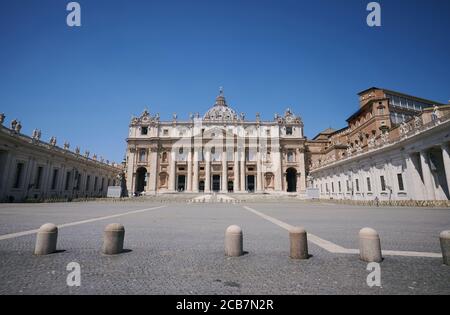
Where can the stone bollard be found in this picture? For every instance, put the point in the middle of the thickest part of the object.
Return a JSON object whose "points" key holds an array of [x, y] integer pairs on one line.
{"points": [[369, 245], [113, 238], [234, 241], [46, 239], [299, 243], [445, 246]]}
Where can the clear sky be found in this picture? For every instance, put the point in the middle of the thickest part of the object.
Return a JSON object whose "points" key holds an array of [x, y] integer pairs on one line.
{"points": [[83, 84]]}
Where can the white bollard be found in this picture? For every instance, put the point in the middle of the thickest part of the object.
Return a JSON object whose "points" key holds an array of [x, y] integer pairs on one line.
{"points": [[46, 239], [234, 241], [298, 243], [444, 238], [113, 238], [369, 245]]}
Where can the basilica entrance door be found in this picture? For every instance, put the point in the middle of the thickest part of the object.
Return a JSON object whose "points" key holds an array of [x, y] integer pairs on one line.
{"points": [[181, 183], [291, 178], [141, 178], [251, 183], [216, 183], [230, 186]]}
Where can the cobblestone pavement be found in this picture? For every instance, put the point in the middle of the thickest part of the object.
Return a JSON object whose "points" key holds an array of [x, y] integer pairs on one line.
{"points": [[179, 249]]}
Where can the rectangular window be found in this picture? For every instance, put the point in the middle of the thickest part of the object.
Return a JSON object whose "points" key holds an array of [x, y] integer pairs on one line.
{"points": [[289, 131], [290, 156], [326, 187], [95, 183], [357, 184], [67, 185], [401, 187], [142, 155], [348, 185], [396, 101], [38, 178], [19, 175], [88, 182], [144, 131], [332, 187], [339, 184], [54, 179], [369, 186], [383, 183]]}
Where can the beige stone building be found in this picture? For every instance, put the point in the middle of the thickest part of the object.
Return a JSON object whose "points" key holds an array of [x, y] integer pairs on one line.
{"points": [[31, 169], [395, 147], [221, 151]]}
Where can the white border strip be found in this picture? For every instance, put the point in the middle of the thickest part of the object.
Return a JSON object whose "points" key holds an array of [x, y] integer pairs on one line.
{"points": [[24, 233], [336, 249]]}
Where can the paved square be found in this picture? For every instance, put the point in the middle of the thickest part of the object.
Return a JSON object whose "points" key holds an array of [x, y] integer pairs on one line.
{"points": [[178, 248]]}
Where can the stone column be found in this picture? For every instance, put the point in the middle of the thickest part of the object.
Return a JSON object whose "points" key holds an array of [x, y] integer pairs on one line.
{"points": [[392, 181], [446, 159], [207, 171], [189, 170], [301, 184], [151, 185], [224, 171], [61, 181], [130, 172], [236, 184], [45, 188], [414, 186], [6, 176], [277, 164], [243, 170], [195, 177], [259, 172], [427, 176], [29, 176], [172, 175]]}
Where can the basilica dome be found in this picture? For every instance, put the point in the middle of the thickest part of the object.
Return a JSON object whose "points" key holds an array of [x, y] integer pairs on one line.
{"points": [[220, 111]]}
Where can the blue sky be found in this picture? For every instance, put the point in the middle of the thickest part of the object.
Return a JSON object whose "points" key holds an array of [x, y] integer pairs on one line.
{"points": [[83, 84]]}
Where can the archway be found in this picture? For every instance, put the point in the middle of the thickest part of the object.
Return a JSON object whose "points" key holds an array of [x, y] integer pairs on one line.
{"points": [[291, 179], [141, 178]]}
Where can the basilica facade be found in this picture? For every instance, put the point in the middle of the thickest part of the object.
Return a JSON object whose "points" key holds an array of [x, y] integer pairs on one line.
{"points": [[221, 151]]}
